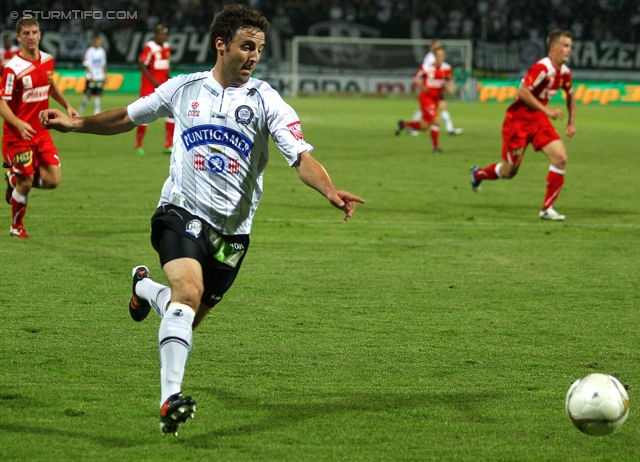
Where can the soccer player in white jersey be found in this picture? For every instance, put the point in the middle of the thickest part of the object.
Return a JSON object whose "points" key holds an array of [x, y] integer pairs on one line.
{"points": [[95, 66], [201, 228], [429, 59]]}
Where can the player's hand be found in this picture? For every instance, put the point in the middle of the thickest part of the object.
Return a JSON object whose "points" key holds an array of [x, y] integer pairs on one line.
{"points": [[55, 119], [344, 201], [570, 130], [26, 130], [72, 112], [555, 114]]}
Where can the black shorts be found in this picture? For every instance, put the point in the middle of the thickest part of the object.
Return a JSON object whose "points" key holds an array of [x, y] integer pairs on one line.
{"points": [[94, 88], [176, 233]]}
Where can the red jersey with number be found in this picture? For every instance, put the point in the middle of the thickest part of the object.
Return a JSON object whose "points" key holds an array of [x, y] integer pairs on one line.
{"points": [[25, 86], [544, 80], [434, 78], [156, 58]]}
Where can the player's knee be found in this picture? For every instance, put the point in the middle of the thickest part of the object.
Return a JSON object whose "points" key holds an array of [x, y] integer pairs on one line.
{"points": [[508, 171], [50, 183], [189, 293], [561, 161], [23, 182]]}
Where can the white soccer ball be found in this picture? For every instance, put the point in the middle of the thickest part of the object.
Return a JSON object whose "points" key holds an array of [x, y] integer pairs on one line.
{"points": [[597, 404]]}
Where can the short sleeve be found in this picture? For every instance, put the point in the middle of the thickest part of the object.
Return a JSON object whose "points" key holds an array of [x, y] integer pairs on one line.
{"points": [[284, 127], [145, 56], [7, 84], [566, 83], [536, 74]]}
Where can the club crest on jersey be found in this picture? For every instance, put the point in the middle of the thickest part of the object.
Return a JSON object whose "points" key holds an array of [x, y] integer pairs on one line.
{"points": [[244, 114], [216, 164], [194, 227], [295, 129], [27, 83], [193, 109], [210, 134]]}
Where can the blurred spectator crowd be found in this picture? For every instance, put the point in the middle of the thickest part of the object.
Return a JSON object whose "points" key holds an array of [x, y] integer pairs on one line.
{"points": [[492, 20]]}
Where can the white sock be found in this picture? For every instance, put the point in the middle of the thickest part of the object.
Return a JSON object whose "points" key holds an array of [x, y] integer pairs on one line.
{"points": [[447, 120], [83, 104], [175, 337], [497, 170], [156, 294], [19, 198], [96, 105], [417, 115]]}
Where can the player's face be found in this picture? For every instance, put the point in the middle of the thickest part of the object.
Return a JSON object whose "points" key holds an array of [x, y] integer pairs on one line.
{"points": [[240, 57], [29, 38], [561, 50], [161, 37], [439, 56], [97, 42]]}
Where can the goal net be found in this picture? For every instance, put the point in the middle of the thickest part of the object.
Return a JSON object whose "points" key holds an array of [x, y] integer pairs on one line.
{"points": [[364, 65]]}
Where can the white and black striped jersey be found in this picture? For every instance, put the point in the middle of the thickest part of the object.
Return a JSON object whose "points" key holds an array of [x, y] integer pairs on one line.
{"points": [[220, 144]]}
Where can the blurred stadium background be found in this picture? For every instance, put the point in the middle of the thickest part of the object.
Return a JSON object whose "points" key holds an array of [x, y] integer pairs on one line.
{"points": [[506, 38]]}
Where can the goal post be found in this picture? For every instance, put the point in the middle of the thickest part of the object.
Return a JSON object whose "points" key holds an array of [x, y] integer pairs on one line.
{"points": [[365, 65]]}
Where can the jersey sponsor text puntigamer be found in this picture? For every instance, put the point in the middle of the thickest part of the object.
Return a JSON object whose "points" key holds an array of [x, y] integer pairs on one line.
{"points": [[221, 152]]}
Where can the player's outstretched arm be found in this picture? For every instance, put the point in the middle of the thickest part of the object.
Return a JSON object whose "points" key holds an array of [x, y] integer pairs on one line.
{"points": [[313, 174], [109, 122]]}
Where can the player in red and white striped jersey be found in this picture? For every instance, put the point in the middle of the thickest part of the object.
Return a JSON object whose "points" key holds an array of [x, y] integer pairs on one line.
{"points": [[27, 148], [154, 66], [432, 80], [527, 121], [429, 59]]}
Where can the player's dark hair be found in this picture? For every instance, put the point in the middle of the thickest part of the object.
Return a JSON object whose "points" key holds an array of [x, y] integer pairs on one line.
{"points": [[555, 35], [26, 22], [233, 18]]}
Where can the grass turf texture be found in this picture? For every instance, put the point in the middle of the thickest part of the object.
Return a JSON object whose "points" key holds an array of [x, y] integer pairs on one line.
{"points": [[438, 324]]}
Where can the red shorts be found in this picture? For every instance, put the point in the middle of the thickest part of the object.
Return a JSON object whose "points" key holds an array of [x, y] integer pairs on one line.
{"points": [[428, 106], [518, 132], [26, 156], [146, 88]]}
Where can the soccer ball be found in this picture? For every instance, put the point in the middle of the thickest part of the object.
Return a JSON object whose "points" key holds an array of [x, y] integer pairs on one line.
{"points": [[597, 404]]}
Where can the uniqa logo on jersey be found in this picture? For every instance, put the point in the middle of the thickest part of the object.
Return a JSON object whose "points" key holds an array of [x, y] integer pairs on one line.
{"points": [[216, 134]]}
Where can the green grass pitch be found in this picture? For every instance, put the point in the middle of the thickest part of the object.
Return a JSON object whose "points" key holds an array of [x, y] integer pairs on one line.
{"points": [[438, 324]]}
